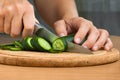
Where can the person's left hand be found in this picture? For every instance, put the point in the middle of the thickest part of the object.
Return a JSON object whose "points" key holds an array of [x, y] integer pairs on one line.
{"points": [[97, 38]]}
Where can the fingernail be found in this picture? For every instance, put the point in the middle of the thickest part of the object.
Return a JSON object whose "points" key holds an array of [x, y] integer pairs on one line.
{"points": [[77, 40], [107, 48], [95, 47], [62, 34], [85, 46]]}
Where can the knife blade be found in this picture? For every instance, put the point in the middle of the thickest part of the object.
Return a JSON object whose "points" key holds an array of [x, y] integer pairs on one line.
{"points": [[77, 48], [72, 47]]}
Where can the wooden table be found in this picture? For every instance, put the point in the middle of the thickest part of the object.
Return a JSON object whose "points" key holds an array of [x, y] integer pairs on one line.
{"points": [[101, 72]]}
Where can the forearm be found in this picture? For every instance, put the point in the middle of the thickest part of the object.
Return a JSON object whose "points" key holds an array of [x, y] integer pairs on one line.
{"points": [[53, 10], [66, 9]]}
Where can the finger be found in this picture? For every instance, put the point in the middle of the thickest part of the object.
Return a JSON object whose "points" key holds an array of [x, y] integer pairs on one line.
{"points": [[60, 28], [7, 20], [82, 32], [92, 38], [1, 22], [16, 25], [29, 21], [101, 40], [108, 44]]}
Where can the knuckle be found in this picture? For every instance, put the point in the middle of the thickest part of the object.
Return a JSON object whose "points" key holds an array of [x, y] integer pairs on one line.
{"points": [[105, 32], [81, 18], [31, 7], [29, 28], [14, 34], [97, 32], [9, 9], [19, 9], [90, 22]]}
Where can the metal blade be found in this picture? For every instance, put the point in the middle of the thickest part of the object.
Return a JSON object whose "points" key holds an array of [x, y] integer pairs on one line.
{"points": [[71, 46], [38, 26], [77, 48]]}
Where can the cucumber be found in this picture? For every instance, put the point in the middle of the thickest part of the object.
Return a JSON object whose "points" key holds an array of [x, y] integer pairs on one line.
{"points": [[60, 44], [44, 43], [26, 42], [18, 44], [6, 46], [47, 35], [41, 44], [11, 47], [15, 48]]}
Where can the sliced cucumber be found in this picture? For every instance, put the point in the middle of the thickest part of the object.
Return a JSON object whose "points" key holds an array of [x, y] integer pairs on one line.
{"points": [[18, 44], [26, 42], [41, 44], [60, 44], [11, 47], [15, 48], [47, 35]]}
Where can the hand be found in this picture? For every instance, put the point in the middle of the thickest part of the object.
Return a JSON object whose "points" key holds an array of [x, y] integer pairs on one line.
{"points": [[97, 38], [14, 14]]}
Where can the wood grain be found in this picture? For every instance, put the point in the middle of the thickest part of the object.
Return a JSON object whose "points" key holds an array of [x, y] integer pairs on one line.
{"points": [[101, 72], [65, 59]]}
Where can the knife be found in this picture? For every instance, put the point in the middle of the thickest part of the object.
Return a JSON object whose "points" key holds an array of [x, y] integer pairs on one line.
{"points": [[72, 47]]}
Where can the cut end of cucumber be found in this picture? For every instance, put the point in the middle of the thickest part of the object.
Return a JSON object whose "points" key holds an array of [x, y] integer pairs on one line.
{"points": [[58, 45], [26, 42], [44, 44], [29, 42]]}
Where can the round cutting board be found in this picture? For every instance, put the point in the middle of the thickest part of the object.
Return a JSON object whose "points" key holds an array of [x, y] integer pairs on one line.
{"points": [[65, 59]]}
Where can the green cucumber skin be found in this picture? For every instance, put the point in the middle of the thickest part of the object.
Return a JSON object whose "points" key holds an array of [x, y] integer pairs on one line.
{"points": [[36, 44], [64, 40], [68, 38], [71, 38], [18, 44], [9, 44], [62, 43], [26, 45], [11, 47], [47, 35], [15, 49]]}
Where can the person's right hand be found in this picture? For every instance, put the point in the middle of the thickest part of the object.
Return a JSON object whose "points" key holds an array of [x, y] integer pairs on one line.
{"points": [[14, 14]]}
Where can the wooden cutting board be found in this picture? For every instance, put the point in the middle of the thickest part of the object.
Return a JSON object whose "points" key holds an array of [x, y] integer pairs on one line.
{"points": [[65, 59]]}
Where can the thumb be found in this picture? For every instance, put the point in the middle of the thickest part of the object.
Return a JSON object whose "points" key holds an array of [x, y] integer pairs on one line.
{"points": [[60, 28]]}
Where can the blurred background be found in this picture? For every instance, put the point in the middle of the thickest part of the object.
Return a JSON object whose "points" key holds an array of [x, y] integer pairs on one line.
{"points": [[103, 13]]}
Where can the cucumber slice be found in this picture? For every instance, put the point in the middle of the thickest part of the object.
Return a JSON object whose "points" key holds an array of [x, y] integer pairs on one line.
{"points": [[41, 44], [6, 46], [18, 44], [60, 44], [15, 49], [11, 47], [26, 42]]}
